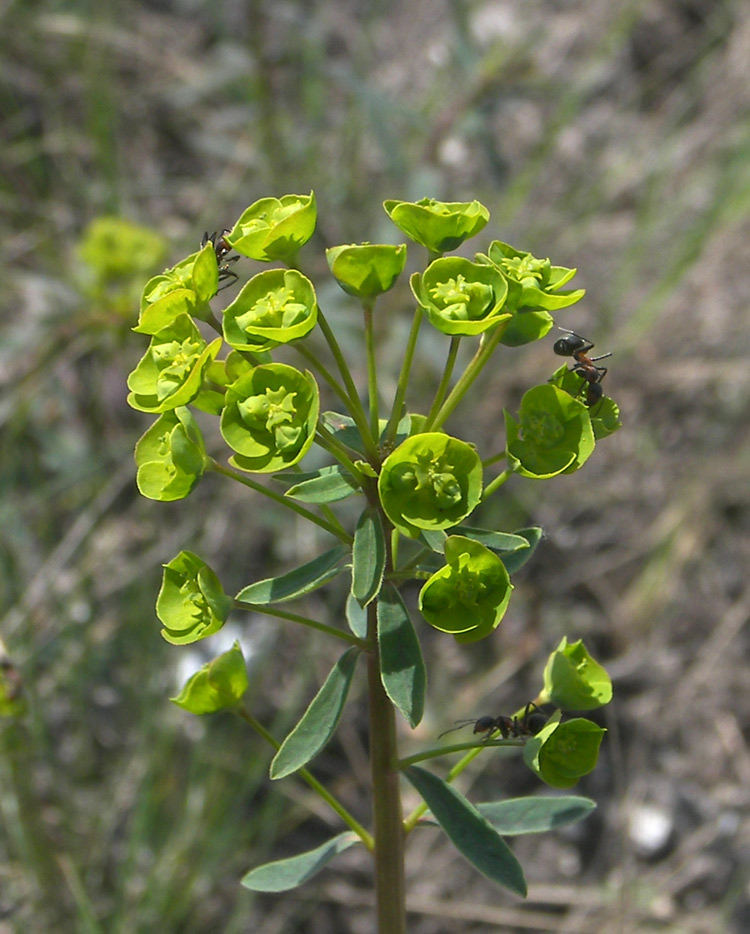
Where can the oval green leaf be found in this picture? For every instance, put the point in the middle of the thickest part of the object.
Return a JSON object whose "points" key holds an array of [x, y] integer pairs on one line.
{"points": [[319, 720], [471, 833], [356, 616], [402, 668], [298, 582], [535, 814], [285, 874], [504, 542], [368, 556], [517, 559], [328, 485]]}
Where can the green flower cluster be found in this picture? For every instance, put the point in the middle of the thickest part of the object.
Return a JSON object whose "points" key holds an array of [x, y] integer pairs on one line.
{"points": [[420, 485]]}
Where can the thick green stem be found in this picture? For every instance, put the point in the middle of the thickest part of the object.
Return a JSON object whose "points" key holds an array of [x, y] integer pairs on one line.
{"points": [[390, 887], [306, 776]]}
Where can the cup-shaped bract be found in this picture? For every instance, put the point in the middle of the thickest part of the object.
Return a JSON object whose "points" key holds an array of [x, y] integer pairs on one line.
{"points": [[191, 603], [604, 414], [534, 289], [274, 228], [275, 307], [553, 434], [461, 297], [469, 595], [218, 685], [366, 270], [573, 680], [562, 753], [269, 417], [165, 310], [431, 481], [199, 273], [171, 371], [534, 283], [170, 456], [438, 225]]}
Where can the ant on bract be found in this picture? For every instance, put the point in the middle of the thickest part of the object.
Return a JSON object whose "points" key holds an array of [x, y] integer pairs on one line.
{"points": [[529, 724], [578, 347], [221, 248]]}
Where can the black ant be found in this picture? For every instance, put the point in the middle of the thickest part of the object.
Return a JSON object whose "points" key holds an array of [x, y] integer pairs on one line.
{"points": [[529, 724], [578, 347], [221, 248]]}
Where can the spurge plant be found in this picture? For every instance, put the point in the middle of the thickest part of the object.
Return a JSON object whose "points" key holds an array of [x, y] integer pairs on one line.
{"points": [[416, 487]]}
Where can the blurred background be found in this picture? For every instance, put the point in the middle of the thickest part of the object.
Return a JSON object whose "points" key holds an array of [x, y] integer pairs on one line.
{"points": [[611, 137]]}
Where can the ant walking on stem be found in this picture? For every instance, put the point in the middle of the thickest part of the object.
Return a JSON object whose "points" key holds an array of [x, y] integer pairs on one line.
{"points": [[509, 727], [221, 248], [573, 345]]}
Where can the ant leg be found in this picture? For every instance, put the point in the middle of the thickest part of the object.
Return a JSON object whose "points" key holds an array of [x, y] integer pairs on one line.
{"points": [[228, 274]]}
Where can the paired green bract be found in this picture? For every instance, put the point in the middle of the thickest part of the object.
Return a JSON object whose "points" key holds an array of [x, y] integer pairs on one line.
{"points": [[269, 417], [172, 370], [431, 481], [275, 228], [469, 596], [438, 225], [461, 297], [196, 277], [275, 307], [170, 456], [218, 685], [552, 436], [191, 603], [533, 291], [366, 269], [573, 680]]}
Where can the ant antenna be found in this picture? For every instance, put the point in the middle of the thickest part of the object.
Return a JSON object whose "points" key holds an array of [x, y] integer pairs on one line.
{"points": [[461, 725]]}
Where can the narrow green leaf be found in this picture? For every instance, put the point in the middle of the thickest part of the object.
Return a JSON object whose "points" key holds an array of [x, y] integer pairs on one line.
{"points": [[517, 559], [298, 582], [434, 539], [217, 685], [284, 874], [344, 429], [328, 485], [496, 541], [356, 616], [535, 814], [402, 668], [368, 556], [472, 835], [319, 720]]}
